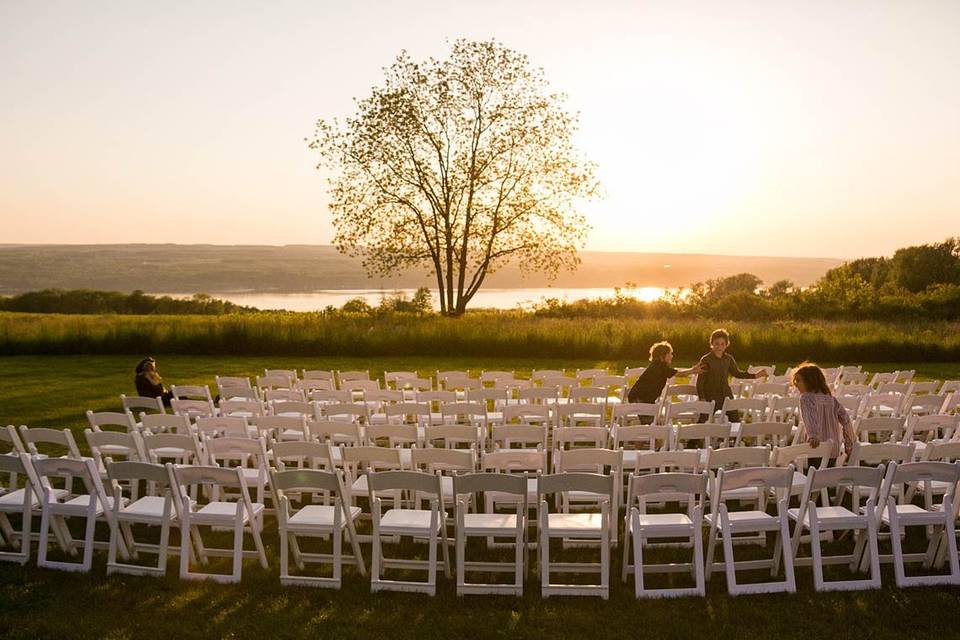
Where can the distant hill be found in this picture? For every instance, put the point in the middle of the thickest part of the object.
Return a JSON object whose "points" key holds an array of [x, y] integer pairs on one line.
{"points": [[170, 268]]}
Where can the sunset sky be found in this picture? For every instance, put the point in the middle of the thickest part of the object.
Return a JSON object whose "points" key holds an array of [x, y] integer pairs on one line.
{"points": [[806, 128]]}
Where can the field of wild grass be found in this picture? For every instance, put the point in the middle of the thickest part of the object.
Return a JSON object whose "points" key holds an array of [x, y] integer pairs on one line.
{"points": [[478, 334]]}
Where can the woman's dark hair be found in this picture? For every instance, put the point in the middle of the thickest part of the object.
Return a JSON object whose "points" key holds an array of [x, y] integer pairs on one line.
{"points": [[813, 379], [142, 364]]}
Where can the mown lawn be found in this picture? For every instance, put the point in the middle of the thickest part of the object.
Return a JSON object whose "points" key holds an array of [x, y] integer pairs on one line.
{"points": [[54, 391]]}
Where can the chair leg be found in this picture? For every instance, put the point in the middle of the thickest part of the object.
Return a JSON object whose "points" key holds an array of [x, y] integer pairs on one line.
{"points": [[815, 550], [698, 560], [627, 542], [284, 551]]}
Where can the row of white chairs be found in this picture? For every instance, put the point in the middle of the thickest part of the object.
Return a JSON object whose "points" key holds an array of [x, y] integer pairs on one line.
{"points": [[172, 504]]}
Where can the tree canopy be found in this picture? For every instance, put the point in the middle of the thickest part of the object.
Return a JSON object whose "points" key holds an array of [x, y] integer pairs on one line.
{"points": [[458, 165]]}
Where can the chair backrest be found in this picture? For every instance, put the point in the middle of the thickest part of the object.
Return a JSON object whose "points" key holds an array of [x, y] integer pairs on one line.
{"points": [[351, 411], [281, 426], [932, 427], [163, 422], [946, 472], [294, 408], [315, 384], [849, 477], [241, 407], [142, 404], [434, 460], [58, 438], [942, 452], [683, 391], [283, 395], [161, 446], [335, 431], [798, 454], [753, 408], [239, 393], [193, 408], [735, 457], [915, 405], [352, 376], [100, 419], [686, 460], [138, 471], [759, 477], [317, 374], [713, 435], [324, 396], [299, 454], [47, 468], [529, 414], [191, 392], [762, 433], [209, 475], [304, 480], [882, 428], [767, 389], [274, 382], [421, 482], [365, 457], [644, 437], [874, 454], [495, 396], [454, 436], [539, 395], [513, 461], [571, 437], [881, 403], [591, 460], [472, 483], [784, 409], [235, 426], [572, 414], [588, 394], [408, 412], [8, 436], [629, 413], [925, 387], [651, 486], [689, 412], [395, 435], [122, 444], [576, 481], [232, 381], [226, 449]]}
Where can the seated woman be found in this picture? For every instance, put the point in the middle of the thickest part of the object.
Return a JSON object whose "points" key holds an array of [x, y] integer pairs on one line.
{"points": [[149, 383]]}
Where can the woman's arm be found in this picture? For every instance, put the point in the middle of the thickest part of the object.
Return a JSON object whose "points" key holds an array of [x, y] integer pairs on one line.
{"points": [[847, 430]]}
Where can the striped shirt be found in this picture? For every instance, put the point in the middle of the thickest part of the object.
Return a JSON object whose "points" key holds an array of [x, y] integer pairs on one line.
{"points": [[824, 418]]}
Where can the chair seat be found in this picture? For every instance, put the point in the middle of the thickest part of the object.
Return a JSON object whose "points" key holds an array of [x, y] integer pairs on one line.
{"points": [[114, 450], [831, 518], [148, 510], [318, 516], [406, 521], [13, 501], [172, 452], [252, 476], [913, 514], [78, 506], [489, 523], [560, 524], [748, 520], [222, 513], [663, 524], [498, 497]]}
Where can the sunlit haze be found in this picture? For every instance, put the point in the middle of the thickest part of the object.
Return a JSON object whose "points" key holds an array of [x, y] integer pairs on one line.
{"points": [[814, 128]]}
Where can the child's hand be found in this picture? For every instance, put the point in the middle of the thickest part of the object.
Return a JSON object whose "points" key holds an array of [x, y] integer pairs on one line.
{"points": [[698, 369]]}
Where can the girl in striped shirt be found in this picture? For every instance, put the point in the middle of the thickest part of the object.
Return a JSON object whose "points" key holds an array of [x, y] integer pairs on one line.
{"points": [[822, 417]]}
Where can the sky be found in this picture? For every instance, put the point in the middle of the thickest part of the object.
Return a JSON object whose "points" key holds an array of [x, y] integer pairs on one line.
{"points": [[823, 128]]}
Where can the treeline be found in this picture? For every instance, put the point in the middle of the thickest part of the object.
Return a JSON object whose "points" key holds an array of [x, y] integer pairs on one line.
{"points": [[88, 301], [917, 283]]}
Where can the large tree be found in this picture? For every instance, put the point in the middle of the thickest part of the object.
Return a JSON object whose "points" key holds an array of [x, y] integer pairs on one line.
{"points": [[458, 165]]}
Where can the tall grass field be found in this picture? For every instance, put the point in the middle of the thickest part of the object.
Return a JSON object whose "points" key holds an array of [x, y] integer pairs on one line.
{"points": [[480, 334]]}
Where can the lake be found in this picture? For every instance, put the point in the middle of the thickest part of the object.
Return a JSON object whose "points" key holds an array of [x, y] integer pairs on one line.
{"points": [[488, 298]]}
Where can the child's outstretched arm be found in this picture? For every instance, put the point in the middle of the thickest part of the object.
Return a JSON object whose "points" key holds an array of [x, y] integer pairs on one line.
{"points": [[737, 373], [697, 369]]}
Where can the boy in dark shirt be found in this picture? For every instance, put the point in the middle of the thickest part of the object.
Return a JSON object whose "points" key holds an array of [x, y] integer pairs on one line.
{"points": [[713, 384], [651, 382]]}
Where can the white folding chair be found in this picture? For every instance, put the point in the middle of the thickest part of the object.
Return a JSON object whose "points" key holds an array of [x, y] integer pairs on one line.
{"points": [[315, 521], [407, 521], [16, 501], [726, 525], [158, 510], [941, 517], [583, 525], [819, 519], [641, 527], [92, 506], [490, 525], [239, 517]]}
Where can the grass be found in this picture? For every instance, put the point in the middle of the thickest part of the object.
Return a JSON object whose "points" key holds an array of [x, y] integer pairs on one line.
{"points": [[54, 391], [478, 335]]}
